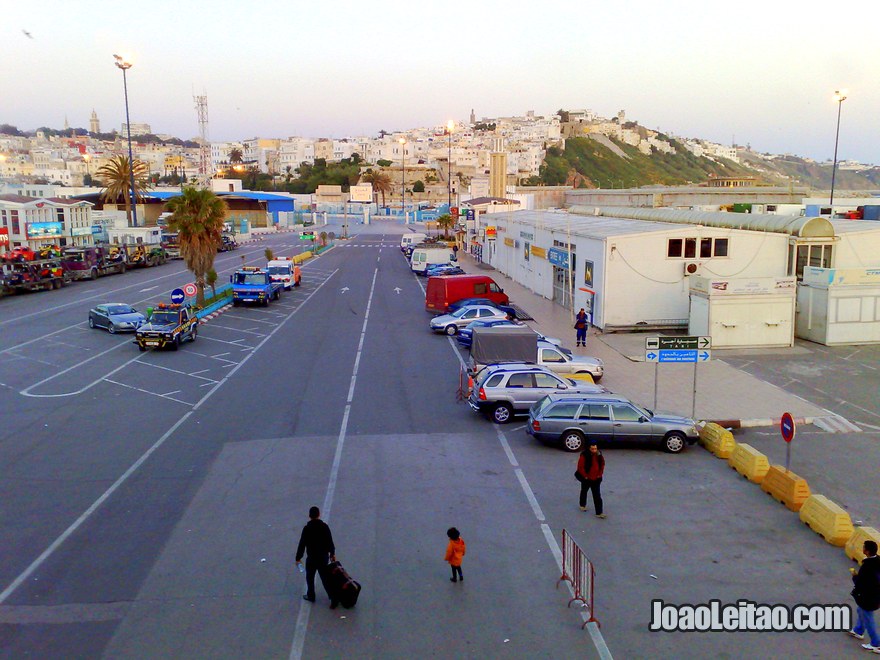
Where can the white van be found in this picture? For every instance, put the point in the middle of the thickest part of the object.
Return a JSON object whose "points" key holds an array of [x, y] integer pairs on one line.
{"points": [[411, 239], [422, 257], [281, 270]]}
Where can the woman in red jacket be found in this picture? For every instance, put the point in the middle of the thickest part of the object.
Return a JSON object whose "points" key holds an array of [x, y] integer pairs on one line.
{"points": [[591, 467]]}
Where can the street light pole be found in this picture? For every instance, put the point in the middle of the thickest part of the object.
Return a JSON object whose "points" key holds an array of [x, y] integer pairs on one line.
{"points": [[840, 97], [449, 127], [403, 185], [125, 66]]}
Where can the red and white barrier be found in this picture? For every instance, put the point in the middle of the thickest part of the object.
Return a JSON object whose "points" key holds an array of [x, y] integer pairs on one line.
{"points": [[578, 571]]}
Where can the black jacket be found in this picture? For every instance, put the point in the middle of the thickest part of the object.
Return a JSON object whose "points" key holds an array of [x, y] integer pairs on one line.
{"points": [[867, 584], [317, 540]]}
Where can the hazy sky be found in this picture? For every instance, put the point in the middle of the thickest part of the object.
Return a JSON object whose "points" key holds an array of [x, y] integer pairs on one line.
{"points": [[759, 73]]}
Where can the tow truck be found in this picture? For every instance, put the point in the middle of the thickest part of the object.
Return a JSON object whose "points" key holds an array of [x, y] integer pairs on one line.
{"points": [[252, 284], [168, 325], [92, 262]]}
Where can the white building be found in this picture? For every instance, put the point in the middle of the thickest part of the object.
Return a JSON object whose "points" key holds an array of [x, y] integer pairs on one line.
{"points": [[34, 222]]}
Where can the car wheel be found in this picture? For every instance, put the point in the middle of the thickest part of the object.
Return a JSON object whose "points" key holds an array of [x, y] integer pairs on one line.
{"points": [[674, 442], [502, 413], [573, 441], [111, 329], [596, 379], [91, 323], [451, 330], [176, 343], [234, 302], [194, 333], [93, 275]]}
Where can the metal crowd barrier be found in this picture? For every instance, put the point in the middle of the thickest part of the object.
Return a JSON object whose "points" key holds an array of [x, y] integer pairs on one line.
{"points": [[578, 571]]}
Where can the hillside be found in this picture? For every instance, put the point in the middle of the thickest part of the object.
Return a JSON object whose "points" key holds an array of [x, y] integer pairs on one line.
{"points": [[587, 163]]}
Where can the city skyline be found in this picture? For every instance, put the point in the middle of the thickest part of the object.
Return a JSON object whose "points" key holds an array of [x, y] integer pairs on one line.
{"points": [[758, 77]]}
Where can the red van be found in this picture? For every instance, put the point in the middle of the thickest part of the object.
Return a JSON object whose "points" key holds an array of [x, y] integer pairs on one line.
{"points": [[444, 290]]}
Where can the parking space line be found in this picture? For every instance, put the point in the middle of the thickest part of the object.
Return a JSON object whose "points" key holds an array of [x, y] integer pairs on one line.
{"points": [[222, 341], [140, 389], [227, 315], [226, 327], [177, 371]]}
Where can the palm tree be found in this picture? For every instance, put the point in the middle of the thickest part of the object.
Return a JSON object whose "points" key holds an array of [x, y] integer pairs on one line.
{"points": [[381, 182], [446, 222], [235, 155], [116, 176], [198, 216]]}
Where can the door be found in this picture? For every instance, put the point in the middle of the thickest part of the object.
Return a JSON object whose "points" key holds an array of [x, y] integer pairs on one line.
{"points": [[554, 360], [629, 423], [595, 421]]}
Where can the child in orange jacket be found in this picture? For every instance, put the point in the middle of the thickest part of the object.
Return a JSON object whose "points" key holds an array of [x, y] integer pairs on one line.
{"points": [[455, 553]]}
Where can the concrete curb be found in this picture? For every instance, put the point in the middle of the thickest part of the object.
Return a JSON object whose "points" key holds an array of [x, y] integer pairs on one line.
{"points": [[755, 423], [214, 314]]}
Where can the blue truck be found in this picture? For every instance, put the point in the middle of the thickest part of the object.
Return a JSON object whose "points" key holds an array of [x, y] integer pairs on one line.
{"points": [[252, 284]]}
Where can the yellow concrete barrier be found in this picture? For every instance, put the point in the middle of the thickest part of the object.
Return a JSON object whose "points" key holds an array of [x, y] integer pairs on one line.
{"points": [[717, 440], [302, 256], [853, 547], [749, 462], [587, 378], [827, 519], [786, 486]]}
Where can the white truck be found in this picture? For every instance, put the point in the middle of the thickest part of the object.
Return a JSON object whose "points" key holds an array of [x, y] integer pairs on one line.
{"points": [[423, 256], [411, 239], [281, 270]]}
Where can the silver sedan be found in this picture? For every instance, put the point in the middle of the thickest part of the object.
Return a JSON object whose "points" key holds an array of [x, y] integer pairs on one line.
{"points": [[452, 323]]}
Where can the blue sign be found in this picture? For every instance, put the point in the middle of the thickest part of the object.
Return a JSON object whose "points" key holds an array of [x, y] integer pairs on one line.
{"points": [[677, 355], [177, 296], [558, 257], [45, 229], [470, 214], [97, 229]]}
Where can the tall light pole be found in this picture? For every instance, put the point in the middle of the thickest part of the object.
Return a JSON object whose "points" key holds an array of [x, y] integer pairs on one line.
{"points": [[403, 185], [840, 97], [125, 66], [87, 158], [449, 126]]}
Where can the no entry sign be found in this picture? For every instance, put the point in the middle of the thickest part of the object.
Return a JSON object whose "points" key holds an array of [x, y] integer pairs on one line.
{"points": [[787, 426]]}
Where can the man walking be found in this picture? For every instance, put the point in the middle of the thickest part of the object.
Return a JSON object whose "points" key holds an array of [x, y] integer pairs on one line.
{"points": [[580, 325], [591, 467], [866, 593], [317, 542]]}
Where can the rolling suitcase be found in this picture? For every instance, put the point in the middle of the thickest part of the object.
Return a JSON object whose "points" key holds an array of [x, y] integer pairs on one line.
{"points": [[346, 589]]}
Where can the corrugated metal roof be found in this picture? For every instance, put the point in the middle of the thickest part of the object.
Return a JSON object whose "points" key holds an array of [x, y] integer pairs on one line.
{"points": [[779, 224]]}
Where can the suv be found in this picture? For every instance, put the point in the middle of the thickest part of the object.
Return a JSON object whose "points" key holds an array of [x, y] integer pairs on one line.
{"points": [[168, 325], [505, 390], [573, 419]]}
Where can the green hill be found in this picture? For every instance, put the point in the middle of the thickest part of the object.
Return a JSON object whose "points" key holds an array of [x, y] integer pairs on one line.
{"points": [[587, 163]]}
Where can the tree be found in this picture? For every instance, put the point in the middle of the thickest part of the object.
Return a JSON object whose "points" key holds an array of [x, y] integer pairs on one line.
{"points": [[381, 182], [269, 254], [211, 279], [116, 176], [235, 155], [382, 162], [198, 216], [418, 187], [446, 222]]}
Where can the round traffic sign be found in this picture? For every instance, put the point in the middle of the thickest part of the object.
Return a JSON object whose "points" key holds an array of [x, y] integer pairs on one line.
{"points": [[177, 296], [787, 426], [190, 289]]}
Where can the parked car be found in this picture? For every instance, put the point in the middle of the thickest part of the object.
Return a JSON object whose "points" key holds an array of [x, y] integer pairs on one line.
{"points": [[504, 390], [116, 317], [464, 302], [451, 323], [574, 419], [443, 295], [466, 334], [436, 270]]}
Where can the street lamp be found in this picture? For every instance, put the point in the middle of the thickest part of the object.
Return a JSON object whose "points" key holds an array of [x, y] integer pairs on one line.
{"points": [[87, 158], [449, 126], [403, 185], [125, 66], [840, 97]]}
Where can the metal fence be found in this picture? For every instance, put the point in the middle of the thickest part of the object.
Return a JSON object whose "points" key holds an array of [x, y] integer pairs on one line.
{"points": [[578, 571]]}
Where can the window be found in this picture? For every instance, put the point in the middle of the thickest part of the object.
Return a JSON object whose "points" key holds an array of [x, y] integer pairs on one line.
{"points": [[520, 380], [594, 411], [674, 247], [486, 312], [494, 380], [549, 355], [690, 248], [480, 289], [16, 229], [720, 247], [625, 413], [470, 314], [494, 288], [562, 411], [812, 255], [547, 381], [705, 248]]}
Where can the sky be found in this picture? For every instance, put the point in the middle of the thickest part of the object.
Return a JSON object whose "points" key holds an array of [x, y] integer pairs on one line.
{"points": [[752, 73]]}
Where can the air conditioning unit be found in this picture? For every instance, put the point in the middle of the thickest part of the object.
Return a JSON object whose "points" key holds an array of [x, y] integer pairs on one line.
{"points": [[693, 268]]}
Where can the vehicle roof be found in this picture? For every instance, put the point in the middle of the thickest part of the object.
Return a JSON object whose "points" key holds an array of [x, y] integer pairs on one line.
{"points": [[518, 366], [606, 397]]}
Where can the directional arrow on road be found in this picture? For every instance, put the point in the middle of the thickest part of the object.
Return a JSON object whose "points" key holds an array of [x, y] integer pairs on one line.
{"points": [[344, 289], [397, 290]]}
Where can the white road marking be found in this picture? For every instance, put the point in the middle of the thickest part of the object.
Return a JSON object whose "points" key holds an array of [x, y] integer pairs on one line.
{"points": [[177, 371], [26, 391], [149, 288], [302, 619]]}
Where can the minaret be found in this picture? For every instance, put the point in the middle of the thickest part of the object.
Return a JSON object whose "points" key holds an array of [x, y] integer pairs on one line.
{"points": [[473, 117], [66, 124], [94, 124]]}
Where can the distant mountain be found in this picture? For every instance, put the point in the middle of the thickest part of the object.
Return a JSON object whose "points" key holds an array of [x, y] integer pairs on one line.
{"points": [[603, 162]]}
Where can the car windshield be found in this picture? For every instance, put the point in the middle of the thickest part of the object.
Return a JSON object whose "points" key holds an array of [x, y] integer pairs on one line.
{"points": [[461, 311], [541, 404], [74, 256], [164, 318], [120, 309], [279, 270], [250, 278]]}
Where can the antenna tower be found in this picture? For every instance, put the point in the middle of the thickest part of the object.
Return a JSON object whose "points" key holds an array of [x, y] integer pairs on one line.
{"points": [[204, 146]]}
